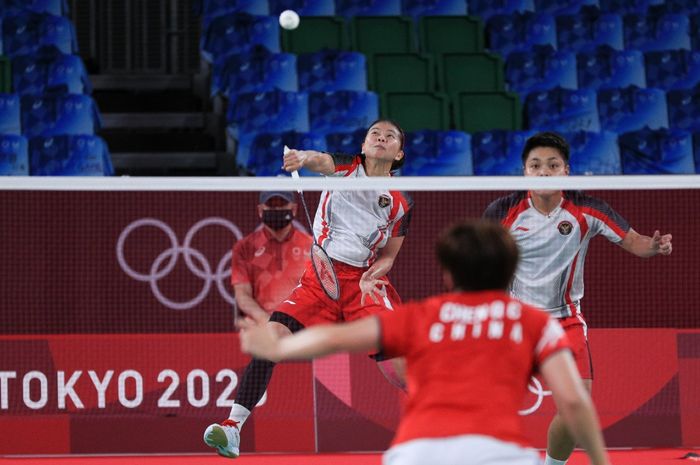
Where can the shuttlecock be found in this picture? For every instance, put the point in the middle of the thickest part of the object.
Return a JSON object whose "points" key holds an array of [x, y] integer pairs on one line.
{"points": [[289, 19]]}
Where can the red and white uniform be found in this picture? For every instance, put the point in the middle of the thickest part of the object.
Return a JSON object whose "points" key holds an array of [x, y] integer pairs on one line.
{"points": [[271, 267], [469, 358], [352, 227], [552, 253]]}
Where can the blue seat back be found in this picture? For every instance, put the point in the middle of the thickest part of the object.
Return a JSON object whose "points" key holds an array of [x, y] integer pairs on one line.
{"points": [[437, 153], [542, 68], [632, 108], [607, 68], [563, 110], [418, 8], [520, 31], [486, 9], [594, 153], [239, 32], [331, 70], [659, 151], [557, 7], [588, 29], [258, 71], [304, 7], [350, 8], [10, 114], [14, 155], [342, 111], [67, 156], [684, 109], [499, 152], [267, 148], [212, 9], [673, 69], [346, 142], [665, 32]]}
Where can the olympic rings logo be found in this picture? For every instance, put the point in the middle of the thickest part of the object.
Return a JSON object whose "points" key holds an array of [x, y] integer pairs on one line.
{"points": [[196, 261], [535, 387]]}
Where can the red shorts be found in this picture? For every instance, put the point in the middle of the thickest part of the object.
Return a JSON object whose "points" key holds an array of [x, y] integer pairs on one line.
{"points": [[577, 331], [309, 305]]}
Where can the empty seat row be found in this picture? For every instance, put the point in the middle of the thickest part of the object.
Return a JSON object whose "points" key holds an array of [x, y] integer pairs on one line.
{"points": [[617, 110], [48, 70], [54, 7], [48, 115], [77, 155], [544, 68], [498, 153], [23, 32]]}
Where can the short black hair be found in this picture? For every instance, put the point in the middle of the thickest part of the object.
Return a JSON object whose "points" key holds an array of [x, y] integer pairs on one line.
{"points": [[479, 254], [547, 139], [397, 163]]}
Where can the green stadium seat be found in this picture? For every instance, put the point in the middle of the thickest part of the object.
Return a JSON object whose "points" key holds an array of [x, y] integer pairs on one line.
{"points": [[5, 75], [483, 111], [382, 34], [316, 33], [415, 110], [401, 72], [470, 72], [451, 34]]}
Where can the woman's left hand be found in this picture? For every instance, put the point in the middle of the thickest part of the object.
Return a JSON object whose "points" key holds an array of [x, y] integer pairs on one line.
{"points": [[372, 287]]}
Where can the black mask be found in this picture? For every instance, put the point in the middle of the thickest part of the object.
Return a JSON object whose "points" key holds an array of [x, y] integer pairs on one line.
{"points": [[277, 219]]}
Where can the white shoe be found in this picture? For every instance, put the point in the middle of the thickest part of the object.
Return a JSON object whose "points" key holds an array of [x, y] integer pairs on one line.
{"points": [[225, 438]]}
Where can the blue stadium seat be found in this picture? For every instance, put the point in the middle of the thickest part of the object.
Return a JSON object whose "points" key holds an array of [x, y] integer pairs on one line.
{"points": [[499, 152], [665, 32], [267, 148], [486, 9], [684, 109], [212, 9], [688, 7], [255, 113], [68, 156], [350, 8], [631, 109], [10, 114], [331, 70], [594, 153], [625, 7], [437, 153], [25, 32], [51, 115], [661, 151], [588, 29], [673, 69], [304, 7], [418, 8], [563, 110], [541, 68], [257, 70], [520, 31], [14, 155], [239, 32], [49, 70], [559, 7], [606, 68], [342, 111], [346, 142]]}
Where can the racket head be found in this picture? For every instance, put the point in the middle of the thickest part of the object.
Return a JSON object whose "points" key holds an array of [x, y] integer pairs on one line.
{"points": [[325, 273]]}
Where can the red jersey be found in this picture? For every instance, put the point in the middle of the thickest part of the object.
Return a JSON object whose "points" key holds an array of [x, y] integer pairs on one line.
{"points": [[469, 359], [272, 268]]}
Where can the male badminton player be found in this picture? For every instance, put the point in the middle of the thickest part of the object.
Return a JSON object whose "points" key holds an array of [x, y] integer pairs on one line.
{"points": [[362, 232], [553, 230], [469, 355]]}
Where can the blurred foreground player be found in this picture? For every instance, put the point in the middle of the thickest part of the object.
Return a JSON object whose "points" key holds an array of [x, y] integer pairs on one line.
{"points": [[553, 230], [469, 353], [362, 232]]}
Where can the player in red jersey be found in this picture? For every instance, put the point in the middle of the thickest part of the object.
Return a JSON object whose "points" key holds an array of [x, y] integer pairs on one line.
{"points": [[553, 230], [362, 232], [469, 354]]}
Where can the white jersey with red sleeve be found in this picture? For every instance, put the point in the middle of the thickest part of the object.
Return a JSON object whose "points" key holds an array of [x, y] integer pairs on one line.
{"points": [[353, 225], [553, 247], [469, 358]]}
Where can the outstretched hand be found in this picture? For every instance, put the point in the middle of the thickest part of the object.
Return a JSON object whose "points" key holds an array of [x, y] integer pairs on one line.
{"points": [[372, 287], [293, 160], [257, 337], [661, 244]]}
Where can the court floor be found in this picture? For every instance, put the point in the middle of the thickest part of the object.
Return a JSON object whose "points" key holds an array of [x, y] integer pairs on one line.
{"points": [[618, 457]]}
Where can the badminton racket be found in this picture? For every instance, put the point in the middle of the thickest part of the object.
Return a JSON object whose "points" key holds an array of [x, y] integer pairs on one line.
{"points": [[320, 261]]}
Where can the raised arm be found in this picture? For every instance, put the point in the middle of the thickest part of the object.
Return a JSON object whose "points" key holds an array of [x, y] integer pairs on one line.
{"points": [[574, 404], [645, 246], [310, 159], [259, 340]]}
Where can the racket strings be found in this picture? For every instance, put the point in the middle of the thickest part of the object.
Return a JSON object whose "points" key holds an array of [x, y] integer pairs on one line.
{"points": [[323, 266]]}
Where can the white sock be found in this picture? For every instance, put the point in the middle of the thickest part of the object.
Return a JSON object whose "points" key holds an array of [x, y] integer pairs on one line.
{"points": [[550, 461], [239, 414]]}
